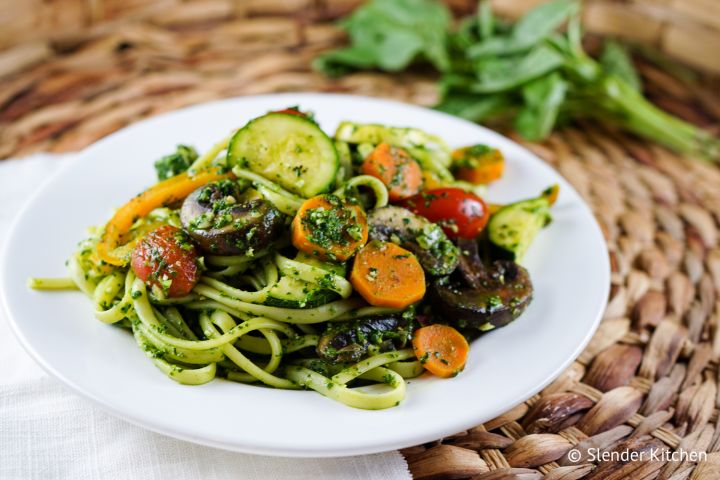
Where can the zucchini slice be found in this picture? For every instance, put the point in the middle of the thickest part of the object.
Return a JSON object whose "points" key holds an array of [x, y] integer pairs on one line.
{"points": [[335, 268], [287, 149], [514, 226], [290, 292]]}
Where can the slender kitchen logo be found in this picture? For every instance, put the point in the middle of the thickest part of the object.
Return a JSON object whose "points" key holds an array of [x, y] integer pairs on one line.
{"points": [[597, 455]]}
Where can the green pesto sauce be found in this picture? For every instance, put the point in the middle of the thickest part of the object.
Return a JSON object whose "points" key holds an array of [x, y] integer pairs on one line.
{"points": [[328, 227]]}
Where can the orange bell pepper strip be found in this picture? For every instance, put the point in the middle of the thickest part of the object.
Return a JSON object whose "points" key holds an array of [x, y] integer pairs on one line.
{"points": [[166, 192]]}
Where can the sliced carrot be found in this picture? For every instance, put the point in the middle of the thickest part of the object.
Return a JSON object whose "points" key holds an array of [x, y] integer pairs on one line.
{"points": [[441, 349], [329, 228], [387, 275], [551, 193], [166, 192], [478, 164], [400, 173]]}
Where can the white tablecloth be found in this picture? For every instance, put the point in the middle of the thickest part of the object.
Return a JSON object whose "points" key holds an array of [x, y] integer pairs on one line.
{"points": [[48, 432]]}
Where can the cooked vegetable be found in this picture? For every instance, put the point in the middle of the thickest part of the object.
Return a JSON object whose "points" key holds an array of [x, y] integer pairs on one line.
{"points": [[441, 349], [167, 192], [552, 193], [514, 226], [295, 290], [461, 214], [431, 180], [222, 224], [288, 149], [350, 341], [396, 169], [290, 292], [436, 254], [483, 297], [387, 275], [478, 164], [175, 163], [330, 228], [167, 260], [430, 150], [294, 110], [534, 71]]}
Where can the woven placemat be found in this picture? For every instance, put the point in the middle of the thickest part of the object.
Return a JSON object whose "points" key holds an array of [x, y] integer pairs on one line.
{"points": [[648, 379]]}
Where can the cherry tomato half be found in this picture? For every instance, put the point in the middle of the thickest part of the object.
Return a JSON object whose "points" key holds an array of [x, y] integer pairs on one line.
{"points": [[291, 111], [461, 214], [167, 259]]}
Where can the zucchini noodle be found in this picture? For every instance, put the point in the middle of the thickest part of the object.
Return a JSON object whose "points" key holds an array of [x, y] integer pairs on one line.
{"points": [[286, 202], [379, 189], [60, 283], [308, 273], [206, 159]]}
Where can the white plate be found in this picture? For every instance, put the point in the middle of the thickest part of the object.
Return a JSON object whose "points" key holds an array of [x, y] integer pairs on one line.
{"points": [[568, 264]]}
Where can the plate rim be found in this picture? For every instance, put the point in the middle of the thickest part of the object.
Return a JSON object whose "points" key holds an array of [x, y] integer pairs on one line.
{"points": [[379, 446]]}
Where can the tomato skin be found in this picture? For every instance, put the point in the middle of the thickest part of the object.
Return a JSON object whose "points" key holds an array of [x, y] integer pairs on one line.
{"points": [[165, 254], [291, 111], [461, 214]]}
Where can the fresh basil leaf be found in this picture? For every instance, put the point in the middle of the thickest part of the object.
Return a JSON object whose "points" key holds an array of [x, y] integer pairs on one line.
{"points": [[485, 20], [501, 74], [543, 98], [544, 19], [574, 35], [390, 35], [617, 61], [341, 62], [475, 108], [532, 28]]}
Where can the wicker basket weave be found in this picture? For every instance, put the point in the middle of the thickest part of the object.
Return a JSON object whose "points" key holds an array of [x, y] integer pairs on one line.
{"points": [[688, 30], [74, 71]]}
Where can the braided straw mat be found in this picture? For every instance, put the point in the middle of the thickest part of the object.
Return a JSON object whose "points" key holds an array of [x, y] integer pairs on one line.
{"points": [[649, 377]]}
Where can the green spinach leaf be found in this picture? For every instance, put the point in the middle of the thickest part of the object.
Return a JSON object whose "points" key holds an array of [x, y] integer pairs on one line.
{"points": [[543, 98], [501, 74], [390, 35], [616, 61], [476, 108], [528, 31]]}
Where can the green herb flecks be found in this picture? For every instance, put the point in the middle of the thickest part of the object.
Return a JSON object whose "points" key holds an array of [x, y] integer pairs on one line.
{"points": [[175, 163]]}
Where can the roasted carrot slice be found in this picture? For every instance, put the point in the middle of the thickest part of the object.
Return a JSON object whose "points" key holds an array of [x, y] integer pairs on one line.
{"points": [[400, 173], [166, 192], [387, 275], [329, 228], [478, 164], [441, 349]]}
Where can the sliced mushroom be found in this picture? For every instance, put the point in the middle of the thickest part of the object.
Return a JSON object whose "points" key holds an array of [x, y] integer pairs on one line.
{"points": [[486, 297], [350, 341], [435, 252], [213, 216]]}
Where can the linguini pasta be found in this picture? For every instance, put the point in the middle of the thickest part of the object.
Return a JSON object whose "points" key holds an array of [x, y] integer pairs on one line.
{"points": [[228, 318]]}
